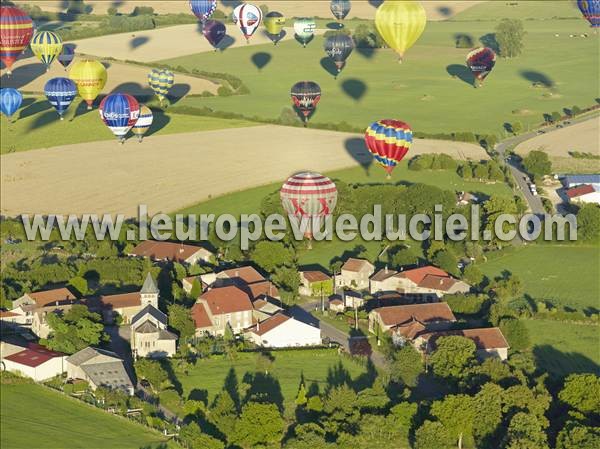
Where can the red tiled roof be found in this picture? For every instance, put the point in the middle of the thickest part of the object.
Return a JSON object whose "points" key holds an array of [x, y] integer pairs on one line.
{"points": [[410, 330], [121, 300], [383, 274], [434, 282], [7, 314], [33, 356], [227, 299], [394, 315], [165, 250], [51, 296], [315, 276], [355, 265], [247, 274], [484, 338], [336, 301], [200, 316], [583, 189], [269, 324], [263, 288], [418, 274]]}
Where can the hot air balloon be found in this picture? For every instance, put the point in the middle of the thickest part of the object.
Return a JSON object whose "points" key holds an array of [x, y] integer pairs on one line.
{"points": [[214, 32], [400, 24], [388, 141], [247, 17], [305, 30], [10, 101], [203, 9], [60, 93], [274, 22], [16, 29], [144, 122], [340, 8], [305, 96], [66, 55], [339, 47], [310, 197], [161, 80], [119, 112], [591, 11], [481, 61], [46, 46], [90, 78]]}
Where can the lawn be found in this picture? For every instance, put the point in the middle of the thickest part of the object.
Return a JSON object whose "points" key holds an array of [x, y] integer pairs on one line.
{"points": [[564, 348], [565, 274], [319, 368], [422, 90], [33, 417]]}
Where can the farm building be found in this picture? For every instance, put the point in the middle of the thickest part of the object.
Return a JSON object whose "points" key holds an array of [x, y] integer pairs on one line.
{"points": [[315, 283], [584, 194], [34, 361], [171, 251], [570, 181], [100, 368], [282, 330]]}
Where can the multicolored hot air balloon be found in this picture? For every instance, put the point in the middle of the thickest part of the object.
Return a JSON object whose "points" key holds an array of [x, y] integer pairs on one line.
{"points": [[388, 141], [340, 8], [144, 122], [308, 197], [119, 112], [481, 61], [305, 96], [16, 29], [305, 30], [203, 9], [591, 11], [274, 23], [400, 24], [46, 46], [10, 101], [90, 77], [66, 55], [339, 47], [214, 32], [161, 80], [60, 93], [247, 17]]}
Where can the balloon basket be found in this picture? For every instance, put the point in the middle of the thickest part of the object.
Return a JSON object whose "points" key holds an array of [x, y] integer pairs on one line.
{"points": [[89, 108], [62, 118]]}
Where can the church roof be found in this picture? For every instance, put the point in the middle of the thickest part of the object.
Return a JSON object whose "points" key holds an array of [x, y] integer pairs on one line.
{"points": [[149, 285]]}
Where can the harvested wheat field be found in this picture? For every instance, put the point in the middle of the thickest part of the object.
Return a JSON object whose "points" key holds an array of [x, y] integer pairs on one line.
{"points": [[168, 173], [29, 75]]}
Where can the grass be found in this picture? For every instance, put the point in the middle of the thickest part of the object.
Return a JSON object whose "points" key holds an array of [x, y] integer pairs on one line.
{"points": [[32, 416], [564, 348], [564, 274], [421, 90], [38, 126]]}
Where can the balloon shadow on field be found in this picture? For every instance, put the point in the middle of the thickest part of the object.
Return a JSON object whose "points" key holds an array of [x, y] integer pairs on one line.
{"points": [[34, 108], [465, 39], [354, 88], [335, 26], [489, 40], [137, 42], [445, 11], [43, 119], [461, 72], [106, 64], [275, 38], [310, 39], [177, 92], [357, 148], [160, 120], [537, 78], [226, 42], [375, 3], [23, 75], [141, 93], [329, 66], [261, 59], [366, 52], [82, 108]]}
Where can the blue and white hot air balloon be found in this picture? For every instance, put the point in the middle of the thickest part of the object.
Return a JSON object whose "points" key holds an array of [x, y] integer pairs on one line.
{"points": [[203, 9], [60, 93], [10, 101], [119, 112]]}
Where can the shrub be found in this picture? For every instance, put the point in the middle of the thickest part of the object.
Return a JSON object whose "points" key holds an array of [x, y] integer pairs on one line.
{"points": [[289, 117], [224, 91], [464, 41], [142, 11], [112, 11]]}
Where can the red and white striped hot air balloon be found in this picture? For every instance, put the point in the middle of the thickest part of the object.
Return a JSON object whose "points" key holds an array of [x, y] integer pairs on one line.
{"points": [[309, 196]]}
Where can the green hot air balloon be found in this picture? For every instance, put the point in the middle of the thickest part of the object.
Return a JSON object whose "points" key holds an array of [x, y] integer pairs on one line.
{"points": [[305, 30]]}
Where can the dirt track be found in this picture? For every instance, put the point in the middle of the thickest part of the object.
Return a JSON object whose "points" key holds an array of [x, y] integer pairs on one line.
{"points": [[168, 173]]}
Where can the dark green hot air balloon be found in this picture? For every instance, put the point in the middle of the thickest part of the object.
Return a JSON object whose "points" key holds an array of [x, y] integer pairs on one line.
{"points": [[339, 47]]}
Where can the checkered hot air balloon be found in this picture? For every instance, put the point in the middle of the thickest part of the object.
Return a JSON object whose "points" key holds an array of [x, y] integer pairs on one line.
{"points": [[16, 29], [340, 8], [247, 17], [119, 112], [309, 197], [481, 61], [143, 123], [388, 141], [46, 46], [591, 11], [60, 93], [203, 9], [161, 81]]}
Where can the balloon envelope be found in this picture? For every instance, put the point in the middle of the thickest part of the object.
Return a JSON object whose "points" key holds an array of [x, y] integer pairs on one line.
{"points": [[591, 11], [214, 32], [60, 93], [274, 23], [46, 46], [340, 8], [203, 9], [306, 96], [481, 61], [10, 101], [339, 47], [119, 112], [144, 122], [400, 24], [66, 55], [388, 141], [248, 18], [161, 80], [16, 30], [90, 78], [305, 29]]}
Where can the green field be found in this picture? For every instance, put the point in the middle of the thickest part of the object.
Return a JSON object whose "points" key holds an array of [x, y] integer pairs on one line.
{"points": [[565, 274], [563, 348], [33, 417], [421, 90], [38, 126], [281, 384]]}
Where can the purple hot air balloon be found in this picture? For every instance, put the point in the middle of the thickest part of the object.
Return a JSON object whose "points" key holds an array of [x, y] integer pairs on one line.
{"points": [[214, 32], [66, 55]]}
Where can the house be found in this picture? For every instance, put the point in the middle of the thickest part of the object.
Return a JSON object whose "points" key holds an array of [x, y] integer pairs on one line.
{"points": [[57, 296], [222, 306], [127, 305], [172, 252], [352, 299], [427, 283], [315, 283], [570, 181], [245, 278], [584, 193], [355, 274], [336, 304], [149, 334], [100, 368], [188, 283], [489, 342], [34, 361], [283, 331], [411, 319], [263, 309], [39, 323]]}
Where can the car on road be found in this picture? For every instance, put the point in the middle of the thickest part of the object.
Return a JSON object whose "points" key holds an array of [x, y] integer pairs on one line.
{"points": [[541, 131]]}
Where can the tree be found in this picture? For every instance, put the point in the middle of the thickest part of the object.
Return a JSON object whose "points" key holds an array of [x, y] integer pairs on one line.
{"points": [[193, 437], [374, 399], [259, 425], [342, 410], [111, 11], [452, 357], [406, 365], [473, 275], [464, 41], [456, 413], [525, 431], [556, 116], [288, 281], [269, 255], [487, 407], [432, 435], [507, 288], [181, 320], [301, 396], [80, 284], [509, 35], [78, 328], [537, 163], [575, 110], [516, 127], [582, 392], [588, 222], [516, 333], [480, 171], [223, 414], [447, 261], [153, 372], [315, 404], [196, 290], [577, 436], [404, 257], [465, 303]]}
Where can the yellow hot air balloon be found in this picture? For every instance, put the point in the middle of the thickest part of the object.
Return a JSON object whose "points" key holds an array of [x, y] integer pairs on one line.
{"points": [[90, 77], [46, 46], [400, 24]]}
